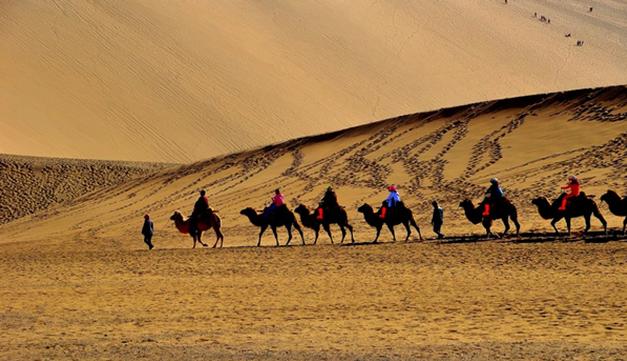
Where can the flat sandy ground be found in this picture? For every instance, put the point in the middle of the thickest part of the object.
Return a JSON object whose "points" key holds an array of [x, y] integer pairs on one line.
{"points": [[487, 300]]}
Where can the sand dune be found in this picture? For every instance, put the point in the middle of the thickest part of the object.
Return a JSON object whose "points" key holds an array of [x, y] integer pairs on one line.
{"points": [[29, 184], [530, 143], [78, 283], [184, 81]]}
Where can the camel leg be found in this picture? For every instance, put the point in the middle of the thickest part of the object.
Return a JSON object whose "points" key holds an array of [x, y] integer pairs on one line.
{"points": [[350, 229], [407, 229], [568, 224], [587, 219], [515, 220], [276, 237], [553, 222], [391, 228], [200, 240], [194, 239], [376, 238], [327, 229], [289, 234], [412, 221], [316, 234], [624, 225], [506, 224], [343, 230], [300, 231], [263, 229], [487, 224], [219, 236], [599, 216]]}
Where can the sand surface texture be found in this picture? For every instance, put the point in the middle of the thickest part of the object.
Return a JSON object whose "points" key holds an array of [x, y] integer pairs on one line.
{"points": [[531, 144], [78, 283], [482, 301], [178, 81], [29, 184]]}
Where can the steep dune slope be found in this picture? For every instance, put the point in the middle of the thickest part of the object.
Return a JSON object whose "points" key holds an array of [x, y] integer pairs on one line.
{"points": [[531, 143], [182, 81]]}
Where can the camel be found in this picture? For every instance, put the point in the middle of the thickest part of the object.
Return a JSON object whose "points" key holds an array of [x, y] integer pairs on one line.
{"points": [[503, 211], [581, 206], [283, 217], [617, 205], [205, 222], [400, 214], [339, 217]]}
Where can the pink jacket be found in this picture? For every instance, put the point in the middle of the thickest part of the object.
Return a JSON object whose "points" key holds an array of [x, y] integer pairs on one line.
{"points": [[278, 200]]}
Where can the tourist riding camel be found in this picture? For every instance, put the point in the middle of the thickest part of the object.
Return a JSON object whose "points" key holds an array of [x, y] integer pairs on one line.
{"points": [[393, 200], [327, 204], [494, 195], [278, 201], [200, 207], [572, 189], [205, 221]]}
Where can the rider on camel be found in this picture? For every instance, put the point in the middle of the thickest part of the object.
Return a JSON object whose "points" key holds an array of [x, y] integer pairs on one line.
{"points": [[572, 190], [329, 201], [278, 200], [391, 201], [200, 207], [492, 195]]}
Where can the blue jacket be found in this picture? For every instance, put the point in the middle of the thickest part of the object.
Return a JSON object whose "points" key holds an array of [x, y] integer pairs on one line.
{"points": [[392, 199]]}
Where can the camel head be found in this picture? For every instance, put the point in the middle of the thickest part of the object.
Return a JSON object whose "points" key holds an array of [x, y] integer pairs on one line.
{"points": [[466, 203], [248, 212], [302, 209], [365, 209], [540, 202], [176, 216], [609, 196]]}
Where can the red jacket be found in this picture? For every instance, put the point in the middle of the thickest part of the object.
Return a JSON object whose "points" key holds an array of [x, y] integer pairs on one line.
{"points": [[574, 189]]}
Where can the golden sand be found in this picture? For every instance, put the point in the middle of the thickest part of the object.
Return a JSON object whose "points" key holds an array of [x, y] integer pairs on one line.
{"points": [[180, 81]]}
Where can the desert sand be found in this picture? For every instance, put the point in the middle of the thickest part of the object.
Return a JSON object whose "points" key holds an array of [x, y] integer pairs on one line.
{"points": [[111, 110], [78, 282], [30, 184], [482, 301], [531, 144], [188, 80]]}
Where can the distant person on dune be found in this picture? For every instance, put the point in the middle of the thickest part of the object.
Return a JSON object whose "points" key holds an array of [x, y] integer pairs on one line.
{"points": [[200, 207], [328, 202], [391, 201], [572, 189], [437, 219], [493, 195], [147, 230]]}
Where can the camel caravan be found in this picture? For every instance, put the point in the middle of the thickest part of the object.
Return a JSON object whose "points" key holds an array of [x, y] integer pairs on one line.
{"points": [[572, 203]]}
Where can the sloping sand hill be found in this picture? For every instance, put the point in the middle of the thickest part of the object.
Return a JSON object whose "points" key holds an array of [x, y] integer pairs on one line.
{"points": [[183, 81], [30, 184], [77, 282], [530, 143]]}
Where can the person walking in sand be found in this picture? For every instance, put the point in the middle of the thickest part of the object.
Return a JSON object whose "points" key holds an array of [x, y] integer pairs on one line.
{"points": [[147, 230], [437, 219]]}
